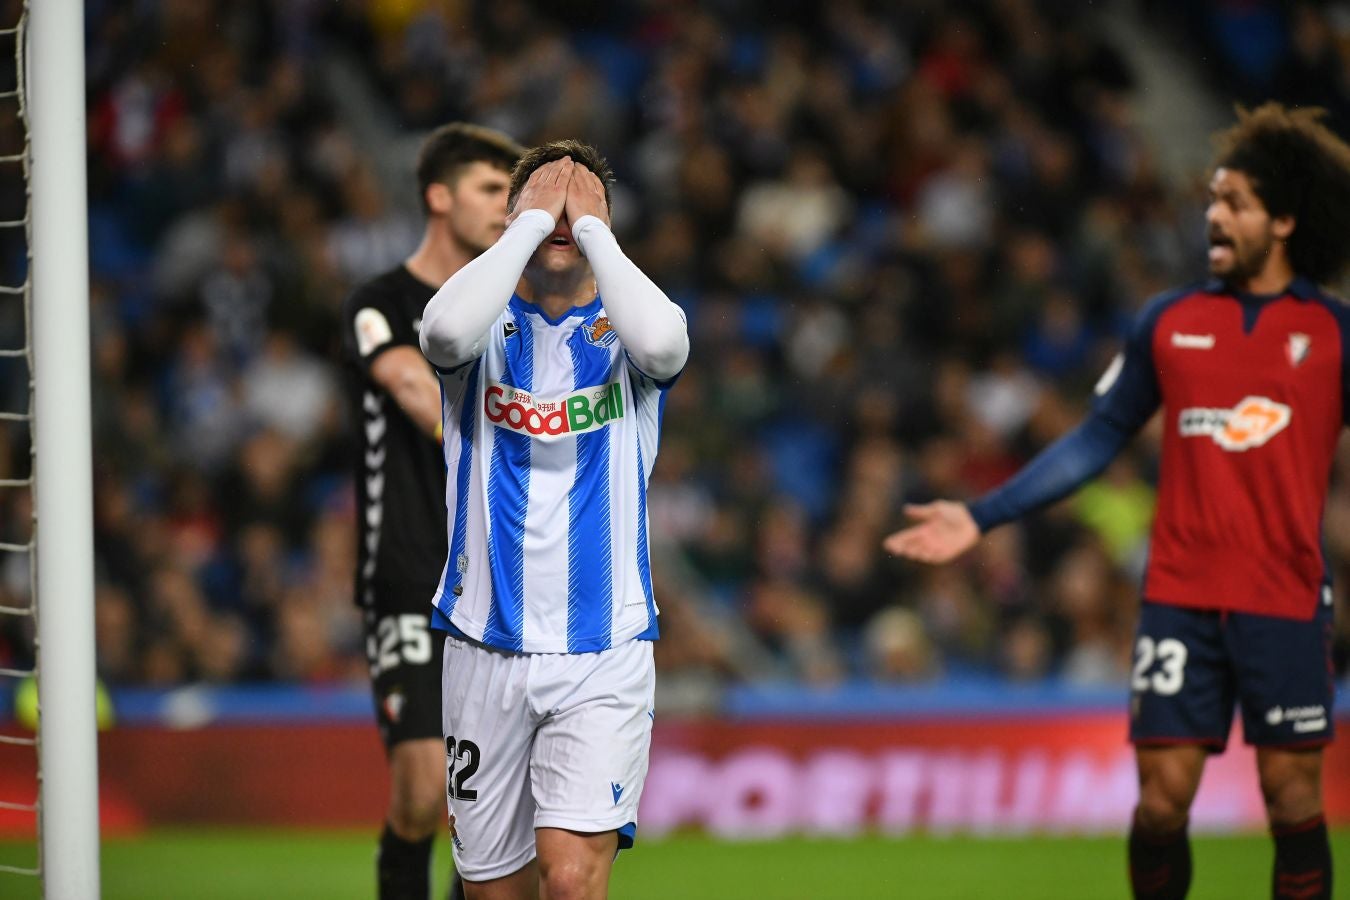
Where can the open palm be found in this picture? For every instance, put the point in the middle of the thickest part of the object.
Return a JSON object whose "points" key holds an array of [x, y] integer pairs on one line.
{"points": [[943, 531]]}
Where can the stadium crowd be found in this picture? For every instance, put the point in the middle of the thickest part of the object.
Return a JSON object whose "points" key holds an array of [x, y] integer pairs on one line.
{"points": [[907, 236]]}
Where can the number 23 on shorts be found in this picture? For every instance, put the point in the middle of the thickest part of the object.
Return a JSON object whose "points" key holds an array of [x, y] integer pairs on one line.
{"points": [[1159, 666]]}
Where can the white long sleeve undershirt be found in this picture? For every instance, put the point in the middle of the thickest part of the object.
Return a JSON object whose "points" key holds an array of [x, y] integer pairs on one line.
{"points": [[458, 318], [651, 328]]}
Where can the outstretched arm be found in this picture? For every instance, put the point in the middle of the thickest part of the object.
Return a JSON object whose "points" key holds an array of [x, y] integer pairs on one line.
{"points": [[651, 327], [945, 529], [1054, 473], [457, 319], [1127, 396]]}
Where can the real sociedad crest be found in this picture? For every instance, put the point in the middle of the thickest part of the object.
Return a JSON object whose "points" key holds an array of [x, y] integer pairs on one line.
{"points": [[1298, 347], [601, 333]]}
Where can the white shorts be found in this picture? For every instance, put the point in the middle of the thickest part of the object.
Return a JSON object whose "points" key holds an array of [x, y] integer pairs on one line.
{"points": [[542, 740]]}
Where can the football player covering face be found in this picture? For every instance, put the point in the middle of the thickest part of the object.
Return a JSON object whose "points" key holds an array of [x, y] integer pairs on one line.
{"points": [[558, 277], [1246, 245], [544, 795]]}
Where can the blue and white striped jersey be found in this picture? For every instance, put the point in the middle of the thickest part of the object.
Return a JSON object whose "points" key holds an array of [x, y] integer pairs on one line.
{"points": [[550, 437]]}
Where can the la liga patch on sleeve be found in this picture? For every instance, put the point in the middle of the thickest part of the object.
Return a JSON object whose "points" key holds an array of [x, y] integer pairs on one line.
{"points": [[372, 330]]}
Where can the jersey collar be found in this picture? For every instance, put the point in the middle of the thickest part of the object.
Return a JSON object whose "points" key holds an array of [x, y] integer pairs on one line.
{"points": [[519, 304], [1300, 288]]}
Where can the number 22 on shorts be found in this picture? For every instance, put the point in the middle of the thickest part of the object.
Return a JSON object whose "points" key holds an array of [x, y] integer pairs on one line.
{"points": [[454, 780], [1170, 656]]}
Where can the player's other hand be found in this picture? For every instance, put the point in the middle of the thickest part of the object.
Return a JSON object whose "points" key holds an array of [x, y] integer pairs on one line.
{"points": [[586, 196], [545, 189], [943, 530]]}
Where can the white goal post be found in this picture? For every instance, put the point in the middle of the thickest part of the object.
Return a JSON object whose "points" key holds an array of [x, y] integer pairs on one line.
{"points": [[63, 476]]}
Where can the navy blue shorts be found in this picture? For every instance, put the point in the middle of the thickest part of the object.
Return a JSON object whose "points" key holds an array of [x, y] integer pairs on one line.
{"points": [[1192, 666]]}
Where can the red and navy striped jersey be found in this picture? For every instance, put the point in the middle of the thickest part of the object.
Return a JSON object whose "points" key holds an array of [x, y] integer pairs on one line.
{"points": [[1253, 396]]}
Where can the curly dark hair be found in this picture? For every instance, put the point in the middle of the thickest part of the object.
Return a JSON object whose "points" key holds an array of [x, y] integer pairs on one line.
{"points": [[451, 147], [1298, 168], [581, 153]]}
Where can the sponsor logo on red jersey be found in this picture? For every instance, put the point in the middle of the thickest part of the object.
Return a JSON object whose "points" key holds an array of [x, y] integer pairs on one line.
{"points": [[1251, 423]]}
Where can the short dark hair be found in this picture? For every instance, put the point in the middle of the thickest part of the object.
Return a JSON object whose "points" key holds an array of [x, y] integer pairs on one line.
{"points": [[451, 147], [535, 157], [1298, 168]]}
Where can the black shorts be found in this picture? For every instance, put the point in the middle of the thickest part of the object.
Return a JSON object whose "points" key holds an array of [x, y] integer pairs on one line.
{"points": [[405, 663], [1192, 666]]}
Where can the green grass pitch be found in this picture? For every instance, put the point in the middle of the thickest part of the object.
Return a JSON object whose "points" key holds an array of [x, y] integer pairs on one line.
{"points": [[218, 864]]}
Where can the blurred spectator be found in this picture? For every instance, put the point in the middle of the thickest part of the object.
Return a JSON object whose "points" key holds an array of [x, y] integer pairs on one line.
{"points": [[1084, 597], [288, 391], [898, 648], [1119, 508], [1026, 651], [794, 217]]}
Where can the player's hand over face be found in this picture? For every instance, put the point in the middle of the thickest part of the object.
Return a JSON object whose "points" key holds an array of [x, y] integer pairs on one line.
{"points": [[545, 189], [942, 532], [586, 196]]}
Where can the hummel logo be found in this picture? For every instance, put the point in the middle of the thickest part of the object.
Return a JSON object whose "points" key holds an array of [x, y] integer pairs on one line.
{"points": [[617, 789], [1193, 341]]}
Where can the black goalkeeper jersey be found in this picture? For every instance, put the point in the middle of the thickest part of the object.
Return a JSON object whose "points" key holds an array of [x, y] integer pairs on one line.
{"points": [[400, 471]]}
